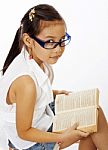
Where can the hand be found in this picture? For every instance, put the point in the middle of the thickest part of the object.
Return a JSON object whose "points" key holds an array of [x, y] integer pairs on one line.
{"points": [[56, 92], [71, 135]]}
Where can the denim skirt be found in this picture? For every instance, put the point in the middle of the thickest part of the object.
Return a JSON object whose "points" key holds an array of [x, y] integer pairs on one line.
{"points": [[37, 146]]}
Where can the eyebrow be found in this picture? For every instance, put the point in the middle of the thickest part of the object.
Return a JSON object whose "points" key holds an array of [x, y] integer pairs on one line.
{"points": [[49, 36]]}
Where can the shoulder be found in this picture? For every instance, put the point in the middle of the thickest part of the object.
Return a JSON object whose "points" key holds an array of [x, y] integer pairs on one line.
{"points": [[24, 83], [24, 79], [22, 88]]}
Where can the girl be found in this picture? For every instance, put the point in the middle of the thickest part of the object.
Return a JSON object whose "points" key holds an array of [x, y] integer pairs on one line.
{"points": [[26, 93]]}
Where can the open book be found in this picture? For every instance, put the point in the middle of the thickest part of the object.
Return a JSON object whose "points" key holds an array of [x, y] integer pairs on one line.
{"points": [[78, 107]]}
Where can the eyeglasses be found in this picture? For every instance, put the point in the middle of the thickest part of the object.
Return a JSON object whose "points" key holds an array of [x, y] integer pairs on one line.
{"points": [[50, 44]]}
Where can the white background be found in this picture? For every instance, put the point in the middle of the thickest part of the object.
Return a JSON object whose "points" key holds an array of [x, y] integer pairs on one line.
{"points": [[84, 64]]}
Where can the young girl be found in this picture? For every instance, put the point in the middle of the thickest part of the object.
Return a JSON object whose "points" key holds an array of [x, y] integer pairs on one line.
{"points": [[26, 93]]}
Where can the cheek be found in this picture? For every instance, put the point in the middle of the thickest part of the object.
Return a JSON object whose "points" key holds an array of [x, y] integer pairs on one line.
{"points": [[61, 51], [43, 55]]}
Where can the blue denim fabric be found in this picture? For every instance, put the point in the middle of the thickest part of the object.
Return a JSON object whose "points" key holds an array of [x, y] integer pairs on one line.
{"points": [[38, 146]]}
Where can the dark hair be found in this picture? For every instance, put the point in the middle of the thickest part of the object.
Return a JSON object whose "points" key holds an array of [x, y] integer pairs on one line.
{"points": [[43, 12]]}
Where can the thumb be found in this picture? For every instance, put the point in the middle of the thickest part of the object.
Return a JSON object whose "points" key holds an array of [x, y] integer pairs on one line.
{"points": [[75, 125]]}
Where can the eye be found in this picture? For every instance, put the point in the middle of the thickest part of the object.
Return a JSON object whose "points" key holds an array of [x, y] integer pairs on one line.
{"points": [[50, 41], [64, 38]]}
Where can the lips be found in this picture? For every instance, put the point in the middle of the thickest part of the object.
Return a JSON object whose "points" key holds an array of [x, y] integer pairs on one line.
{"points": [[55, 56]]}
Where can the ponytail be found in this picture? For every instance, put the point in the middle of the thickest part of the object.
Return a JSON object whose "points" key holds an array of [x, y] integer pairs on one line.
{"points": [[14, 51], [32, 23]]}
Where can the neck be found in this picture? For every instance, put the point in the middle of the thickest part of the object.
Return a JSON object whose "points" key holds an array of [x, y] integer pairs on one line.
{"points": [[38, 61]]}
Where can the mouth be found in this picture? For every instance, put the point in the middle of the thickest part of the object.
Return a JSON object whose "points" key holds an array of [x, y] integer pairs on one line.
{"points": [[55, 57]]}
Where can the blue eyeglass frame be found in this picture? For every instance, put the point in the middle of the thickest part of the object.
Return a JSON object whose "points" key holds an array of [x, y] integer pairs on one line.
{"points": [[42, 43]]}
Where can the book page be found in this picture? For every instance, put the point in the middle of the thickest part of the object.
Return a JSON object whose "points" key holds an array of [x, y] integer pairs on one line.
{"points": [[78, 107]]}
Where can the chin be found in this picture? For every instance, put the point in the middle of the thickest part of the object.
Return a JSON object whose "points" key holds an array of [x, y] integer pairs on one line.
{"points": [[52, 62], [55, 61]]}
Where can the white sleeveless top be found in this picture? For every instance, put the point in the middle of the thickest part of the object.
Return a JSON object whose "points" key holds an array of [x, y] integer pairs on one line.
{"points": [[43, 115]]}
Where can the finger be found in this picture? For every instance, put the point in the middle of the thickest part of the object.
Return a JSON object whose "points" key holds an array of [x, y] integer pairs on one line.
{"points": [[61, 92], [84, 134], [68, 92], [64, 92], [75, 125]]}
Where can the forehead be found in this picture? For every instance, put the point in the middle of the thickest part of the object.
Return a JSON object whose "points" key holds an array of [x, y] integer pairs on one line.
{"points": [[52, 27], [44, 24]]}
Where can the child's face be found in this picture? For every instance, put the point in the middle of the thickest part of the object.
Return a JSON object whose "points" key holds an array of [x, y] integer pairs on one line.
{"points": [[53, 33]]}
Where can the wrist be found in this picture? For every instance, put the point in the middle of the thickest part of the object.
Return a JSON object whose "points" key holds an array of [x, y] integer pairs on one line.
{"points": [[59, 139]]}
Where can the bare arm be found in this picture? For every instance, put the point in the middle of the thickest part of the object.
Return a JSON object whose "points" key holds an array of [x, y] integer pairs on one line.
{"points": [[25, 91]]}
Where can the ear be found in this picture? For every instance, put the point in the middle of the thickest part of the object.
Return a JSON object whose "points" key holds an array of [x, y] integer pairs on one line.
{"points": [[27, 40]]}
